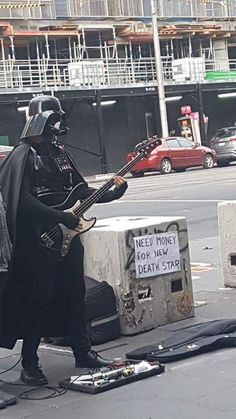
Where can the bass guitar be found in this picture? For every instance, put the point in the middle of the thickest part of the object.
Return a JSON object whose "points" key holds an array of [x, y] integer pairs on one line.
{"points": [[59, 238]]}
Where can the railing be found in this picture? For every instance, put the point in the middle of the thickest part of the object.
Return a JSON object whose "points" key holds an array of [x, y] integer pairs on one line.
{"points": [[24, 9], [52, 9], [94, 74], [82, 74]]}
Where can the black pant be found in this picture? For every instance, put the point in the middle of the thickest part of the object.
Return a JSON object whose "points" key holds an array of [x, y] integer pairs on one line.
{"points": [[68, 276]]}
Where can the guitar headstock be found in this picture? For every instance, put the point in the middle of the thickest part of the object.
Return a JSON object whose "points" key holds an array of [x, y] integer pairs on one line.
{"points": [[146, 147]]}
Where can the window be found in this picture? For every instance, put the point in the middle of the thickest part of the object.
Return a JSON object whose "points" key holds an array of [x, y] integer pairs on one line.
{"points": [[186, 143], [172, 144], [227, 132]]}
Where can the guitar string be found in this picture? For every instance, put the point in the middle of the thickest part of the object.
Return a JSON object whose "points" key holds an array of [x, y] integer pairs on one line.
{"points": [[86, 204], [56, 231], [52, 234], [82, 208]]}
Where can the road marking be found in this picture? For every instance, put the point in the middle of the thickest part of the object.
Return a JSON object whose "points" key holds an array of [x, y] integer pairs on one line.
{"points": [[129, 201], [53, 348], [201, 267], [200, 264]]}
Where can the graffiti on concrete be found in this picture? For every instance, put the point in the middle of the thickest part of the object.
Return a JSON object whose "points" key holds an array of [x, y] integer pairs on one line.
{"points": [[185, 303], [131, 315], [141, 291]]}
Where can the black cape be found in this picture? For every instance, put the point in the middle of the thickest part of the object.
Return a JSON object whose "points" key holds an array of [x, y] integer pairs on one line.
{"points": [[11, 174]]}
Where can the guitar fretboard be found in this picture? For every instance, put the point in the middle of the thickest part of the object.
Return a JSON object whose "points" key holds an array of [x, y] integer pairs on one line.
{"points": [[92, 199]]}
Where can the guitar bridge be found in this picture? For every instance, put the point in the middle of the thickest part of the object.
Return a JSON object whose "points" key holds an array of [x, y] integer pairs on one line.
{"points": [[46, 240]]}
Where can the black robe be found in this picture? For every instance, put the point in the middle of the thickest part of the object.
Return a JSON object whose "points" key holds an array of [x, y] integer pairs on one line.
{"points": [[11, 174], [13, 324]]}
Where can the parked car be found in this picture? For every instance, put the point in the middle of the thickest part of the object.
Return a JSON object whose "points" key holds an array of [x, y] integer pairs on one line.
{"points": [[175, 153], [224, 144], [4, 150]]}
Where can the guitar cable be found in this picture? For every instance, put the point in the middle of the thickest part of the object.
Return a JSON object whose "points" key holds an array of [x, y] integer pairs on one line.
{"points": [[28, 394]]}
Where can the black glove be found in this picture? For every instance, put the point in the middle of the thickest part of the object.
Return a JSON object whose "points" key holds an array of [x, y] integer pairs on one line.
{"points": [[119, 192], [69, 219]]}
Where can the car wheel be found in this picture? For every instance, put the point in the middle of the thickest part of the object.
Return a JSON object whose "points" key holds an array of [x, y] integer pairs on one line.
{"points": [[223, 163], [137, 174], [208, 161], [165, 166]]}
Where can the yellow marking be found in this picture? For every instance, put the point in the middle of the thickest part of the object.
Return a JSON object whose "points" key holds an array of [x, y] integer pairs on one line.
{"points": [[20, 6], [201, 269]]}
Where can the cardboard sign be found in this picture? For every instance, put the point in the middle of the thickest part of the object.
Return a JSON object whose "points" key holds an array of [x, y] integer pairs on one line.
{"points": [[157, 254]]}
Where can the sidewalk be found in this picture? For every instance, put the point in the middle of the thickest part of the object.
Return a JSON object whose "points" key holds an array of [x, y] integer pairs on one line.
{"points": [[201, 386]]}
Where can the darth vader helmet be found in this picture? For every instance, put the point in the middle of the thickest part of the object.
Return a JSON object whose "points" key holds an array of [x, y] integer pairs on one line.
{"points": [[46, 118]]}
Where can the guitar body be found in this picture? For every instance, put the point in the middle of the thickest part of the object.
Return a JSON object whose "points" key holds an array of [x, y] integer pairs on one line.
{"points": [[68, 235], [59, 242]]}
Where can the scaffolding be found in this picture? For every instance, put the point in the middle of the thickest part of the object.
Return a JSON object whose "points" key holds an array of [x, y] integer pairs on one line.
{"points": [[107, 66], [86, 56], [52, 9]]}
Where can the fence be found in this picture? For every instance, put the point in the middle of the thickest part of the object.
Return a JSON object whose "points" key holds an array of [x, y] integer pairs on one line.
{"points": [[52, 9], [92, 74]]}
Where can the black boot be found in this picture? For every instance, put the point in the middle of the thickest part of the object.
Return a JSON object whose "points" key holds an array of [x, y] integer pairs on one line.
{"points": [[33, 375], [91, 359]]}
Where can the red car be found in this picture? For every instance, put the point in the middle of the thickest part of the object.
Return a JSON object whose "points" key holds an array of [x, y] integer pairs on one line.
{"points": [[4, 150], [175, 153]]}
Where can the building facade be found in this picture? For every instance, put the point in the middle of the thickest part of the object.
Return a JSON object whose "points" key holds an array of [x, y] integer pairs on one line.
{"points": [[97, 56]]}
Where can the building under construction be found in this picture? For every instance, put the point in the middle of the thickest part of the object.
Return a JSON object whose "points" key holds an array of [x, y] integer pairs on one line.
{"points": [[98, 57]]}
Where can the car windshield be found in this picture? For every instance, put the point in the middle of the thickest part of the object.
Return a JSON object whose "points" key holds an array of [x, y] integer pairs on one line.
{"points": [[226, 132]]}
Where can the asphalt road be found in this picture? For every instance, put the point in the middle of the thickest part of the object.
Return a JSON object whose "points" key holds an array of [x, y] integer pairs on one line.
{"points": [[194, 194]]}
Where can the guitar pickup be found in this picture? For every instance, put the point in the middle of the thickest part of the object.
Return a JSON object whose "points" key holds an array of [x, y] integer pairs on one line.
{"points": [[47, 240]]}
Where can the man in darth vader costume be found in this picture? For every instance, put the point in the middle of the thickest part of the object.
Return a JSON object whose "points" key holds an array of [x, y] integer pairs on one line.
{"points": [[44, 297]]}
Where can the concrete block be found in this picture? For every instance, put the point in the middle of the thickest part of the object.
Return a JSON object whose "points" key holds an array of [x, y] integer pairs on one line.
{"points": [[146, 260], [227, 237]]}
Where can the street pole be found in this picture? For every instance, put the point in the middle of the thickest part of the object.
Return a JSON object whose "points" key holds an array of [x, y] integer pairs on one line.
{"points": [[201, 114], [101, 132], [159, 71]]}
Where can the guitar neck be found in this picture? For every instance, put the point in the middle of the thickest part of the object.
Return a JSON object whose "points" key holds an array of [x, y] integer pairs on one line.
{"points": [[92, 199]]}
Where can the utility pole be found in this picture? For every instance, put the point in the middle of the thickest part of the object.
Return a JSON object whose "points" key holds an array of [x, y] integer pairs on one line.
{"points": [[159, 71], [201, 114], [101, 132]]}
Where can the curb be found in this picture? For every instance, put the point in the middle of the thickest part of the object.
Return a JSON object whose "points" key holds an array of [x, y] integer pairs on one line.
{"points": [[101, 177]]}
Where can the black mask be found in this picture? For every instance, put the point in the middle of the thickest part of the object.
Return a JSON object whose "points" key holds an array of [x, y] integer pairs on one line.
{"points": [[55, 126]]}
